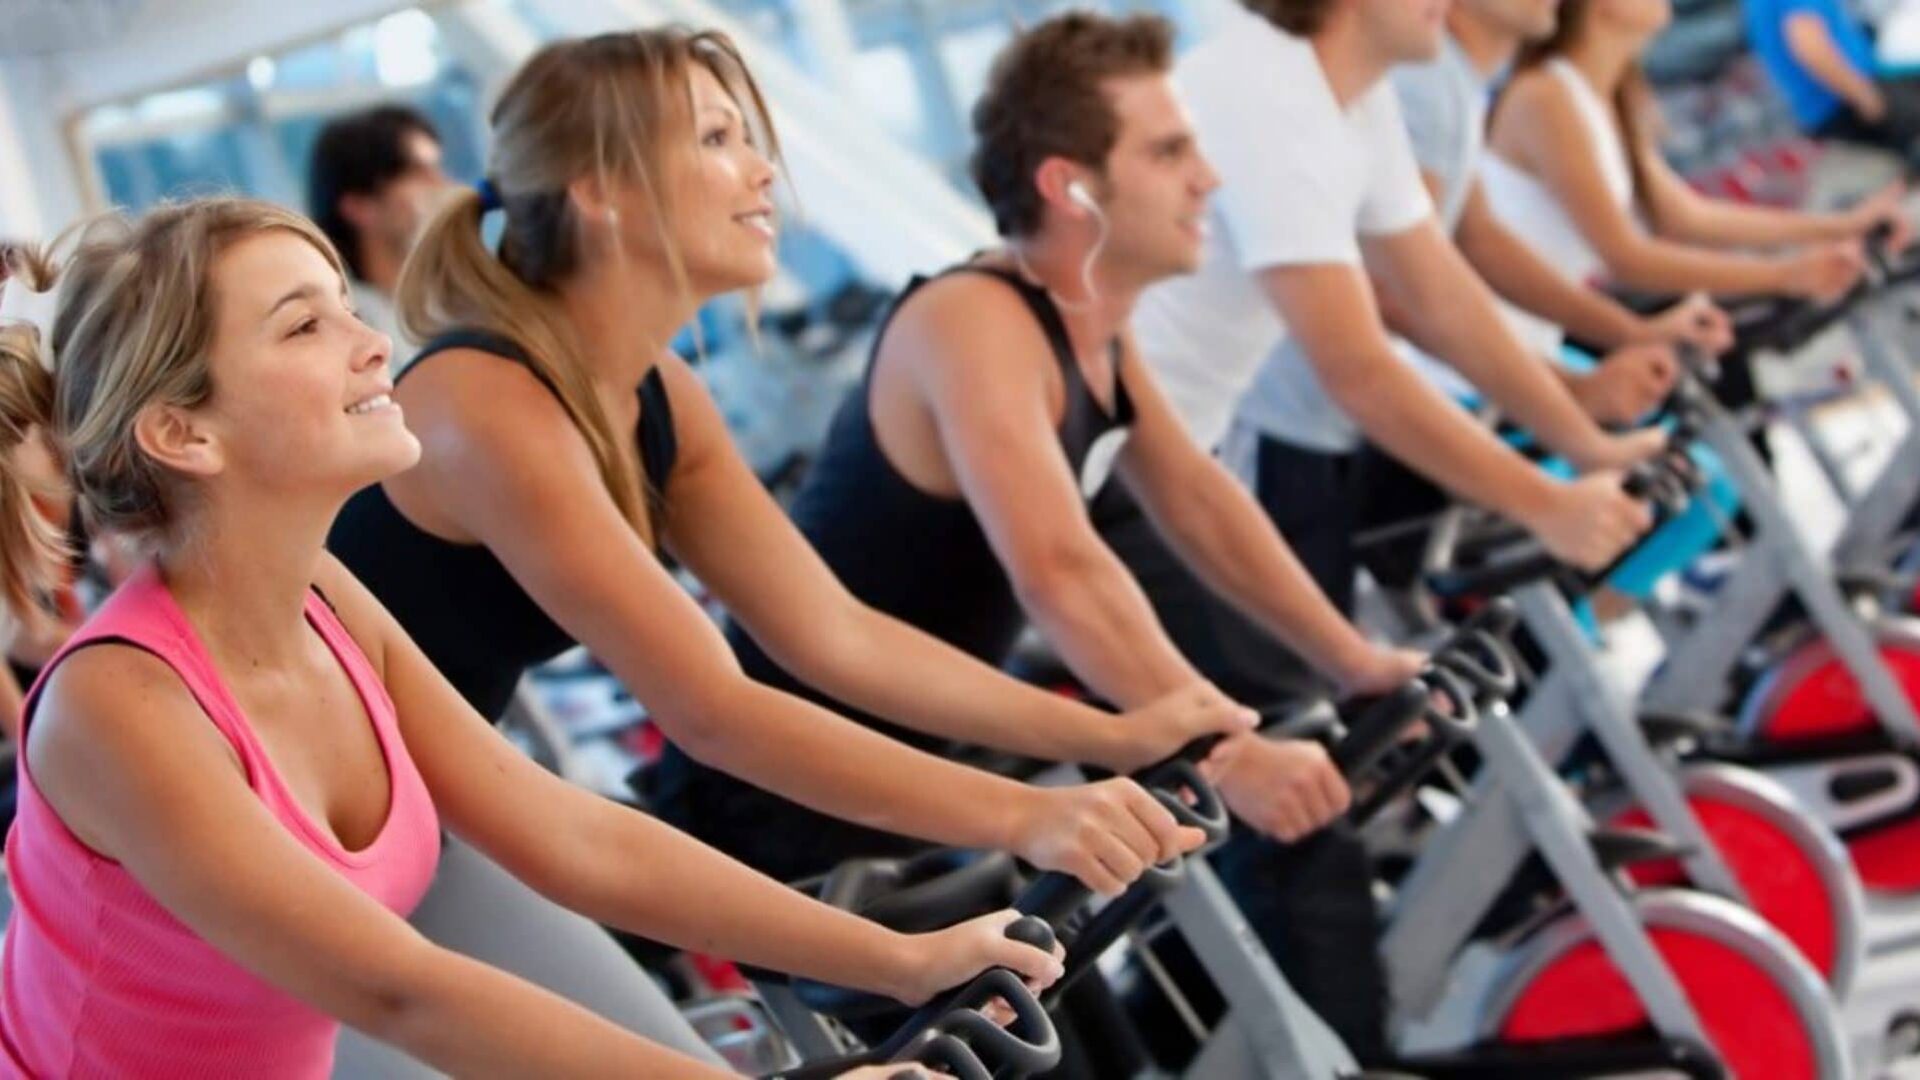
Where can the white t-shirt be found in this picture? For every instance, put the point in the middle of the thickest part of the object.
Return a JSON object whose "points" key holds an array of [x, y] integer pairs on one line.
{"points": [[1301, 179], [1444, 102], [1531, 210]]}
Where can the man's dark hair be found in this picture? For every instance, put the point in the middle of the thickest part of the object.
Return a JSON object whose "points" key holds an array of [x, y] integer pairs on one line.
{"points": [[1301, 18], [358, 154], [1045, 98]]}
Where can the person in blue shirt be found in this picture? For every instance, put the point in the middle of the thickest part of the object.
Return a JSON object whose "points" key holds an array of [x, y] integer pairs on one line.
{"points": [[1820, 55]]}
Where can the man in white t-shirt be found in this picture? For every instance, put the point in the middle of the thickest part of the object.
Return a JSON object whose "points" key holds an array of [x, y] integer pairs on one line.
{"points": [[1319, 190]]}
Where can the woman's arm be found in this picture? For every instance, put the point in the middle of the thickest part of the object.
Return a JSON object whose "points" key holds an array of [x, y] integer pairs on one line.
{"points": [[1524, 278], [1679, 212], [506, 463], [627, 869], [1538, 128], [134, 769]]}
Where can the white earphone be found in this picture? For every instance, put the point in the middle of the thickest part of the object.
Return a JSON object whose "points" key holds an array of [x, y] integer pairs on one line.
{"points": [[1077, 194]]}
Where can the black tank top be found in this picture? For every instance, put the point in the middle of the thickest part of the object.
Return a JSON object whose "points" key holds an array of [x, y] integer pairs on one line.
{"points": [[464, 608], [919, 557], [924, 558]]}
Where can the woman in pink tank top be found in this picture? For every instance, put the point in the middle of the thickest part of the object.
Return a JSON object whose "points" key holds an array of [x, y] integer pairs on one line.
{"points": [[229, 777]]}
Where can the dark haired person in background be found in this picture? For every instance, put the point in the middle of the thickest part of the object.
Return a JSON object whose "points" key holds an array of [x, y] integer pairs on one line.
{"points": [[373, 180]]}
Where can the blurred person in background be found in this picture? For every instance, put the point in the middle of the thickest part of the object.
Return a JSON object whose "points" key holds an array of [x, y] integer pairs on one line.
{"points": [[373, 180]]}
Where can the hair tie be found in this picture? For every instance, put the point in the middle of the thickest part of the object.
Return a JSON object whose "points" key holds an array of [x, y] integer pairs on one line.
{"points": [[489, 194]]}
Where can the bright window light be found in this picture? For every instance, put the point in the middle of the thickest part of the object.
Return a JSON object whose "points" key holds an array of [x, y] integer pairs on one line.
{"points": [[260, 72], [403, 48]]}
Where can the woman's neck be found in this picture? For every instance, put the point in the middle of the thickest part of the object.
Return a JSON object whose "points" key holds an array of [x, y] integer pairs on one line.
{"points": [[626, 315], [241, 573]]}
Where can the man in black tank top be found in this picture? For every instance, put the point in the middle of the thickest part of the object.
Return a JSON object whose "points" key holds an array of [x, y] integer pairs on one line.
{"points": [[953, 491]]}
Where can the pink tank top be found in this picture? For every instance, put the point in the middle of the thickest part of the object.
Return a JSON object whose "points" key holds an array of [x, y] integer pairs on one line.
{"points": [[98, 980]]}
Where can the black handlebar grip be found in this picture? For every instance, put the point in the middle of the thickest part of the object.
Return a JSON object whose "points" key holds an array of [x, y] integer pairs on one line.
{"points": [[1207, 812], [1195, 751], [1377, 728], [1483, 660], [1494, 578], [1028, 930], [943, 1051], [1029, 1044], [1875, 244], [1053, 896]]}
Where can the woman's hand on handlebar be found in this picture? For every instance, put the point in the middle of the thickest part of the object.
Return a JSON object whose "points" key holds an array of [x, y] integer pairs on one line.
{"points": [[1696, 321], [1823, 272], [1157, 730], [1285, 788], [1105, 834], [1885, 207], [892, 1072], [944, 959]]}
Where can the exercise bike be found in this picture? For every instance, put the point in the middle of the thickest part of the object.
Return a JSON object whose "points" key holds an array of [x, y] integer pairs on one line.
{"points": [[1744, 837]]}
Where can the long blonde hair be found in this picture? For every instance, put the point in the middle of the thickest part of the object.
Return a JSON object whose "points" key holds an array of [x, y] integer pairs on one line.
{"points": [[603, 106], [132, 327]]}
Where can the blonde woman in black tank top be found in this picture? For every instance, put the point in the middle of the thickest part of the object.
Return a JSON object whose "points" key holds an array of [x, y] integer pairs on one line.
{"points": [[534, 466]]}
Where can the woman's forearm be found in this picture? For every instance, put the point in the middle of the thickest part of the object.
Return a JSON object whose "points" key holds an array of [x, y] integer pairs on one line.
{"points": [[1655, 265], [642, 875], [830, 764], [465, 1018], [930, 686], [1735, 225]]}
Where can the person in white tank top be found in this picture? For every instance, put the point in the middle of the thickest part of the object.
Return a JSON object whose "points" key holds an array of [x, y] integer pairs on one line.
{"points": [[1576, 167], [1540, 279], [1530, 207]]}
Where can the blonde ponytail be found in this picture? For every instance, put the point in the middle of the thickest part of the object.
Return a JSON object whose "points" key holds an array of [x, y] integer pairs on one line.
{"points": [[452, 281]]}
